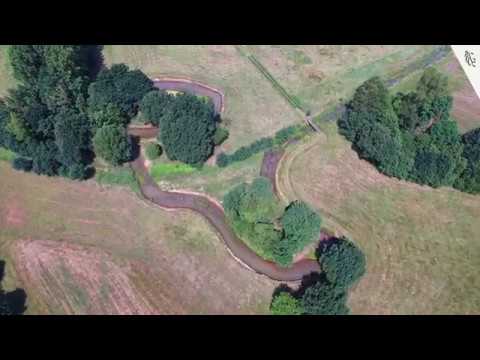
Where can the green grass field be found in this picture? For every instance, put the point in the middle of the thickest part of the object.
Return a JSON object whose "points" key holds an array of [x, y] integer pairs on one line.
{"points": [[253, 108], [319, 75], [421, 244], [212, 180]]}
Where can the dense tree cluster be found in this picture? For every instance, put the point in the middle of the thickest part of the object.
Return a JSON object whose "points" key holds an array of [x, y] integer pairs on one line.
{"points": [[257, 216], [410, 136], [342, 265], [120, 87], [44, 119], [187, 125], [49, 120]]}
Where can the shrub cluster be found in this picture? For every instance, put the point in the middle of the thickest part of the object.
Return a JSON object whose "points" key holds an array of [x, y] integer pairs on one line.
{"points": [[256, 215], [411, 136]]}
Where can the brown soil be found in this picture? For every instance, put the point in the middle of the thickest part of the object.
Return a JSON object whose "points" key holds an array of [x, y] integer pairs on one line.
{"points": [[54, 269]]}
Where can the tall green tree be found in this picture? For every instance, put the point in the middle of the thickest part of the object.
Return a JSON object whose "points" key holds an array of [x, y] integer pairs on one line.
{"points": [[342, 262], [286, 304], [324, 298], [121, 87], [113, 144], [187, 129]]}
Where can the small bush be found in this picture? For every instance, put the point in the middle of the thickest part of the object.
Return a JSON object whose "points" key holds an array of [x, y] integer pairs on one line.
{"points": [[221, 134], [285, 304], [245, 151], [153, 151], [23, 164]]}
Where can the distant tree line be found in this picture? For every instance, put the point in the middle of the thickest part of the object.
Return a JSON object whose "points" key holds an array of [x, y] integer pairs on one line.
{"points": [[342, 265], [412, 136], [257, 216]]}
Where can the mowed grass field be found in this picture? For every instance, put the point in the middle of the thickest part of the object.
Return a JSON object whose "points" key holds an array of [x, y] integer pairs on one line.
{"points": [[80, 248], [6, 77], [422, 244], [320, 75], [253, 108]]}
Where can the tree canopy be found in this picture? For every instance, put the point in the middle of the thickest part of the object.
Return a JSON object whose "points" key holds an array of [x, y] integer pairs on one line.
{"points": [[409, 136], [187, 127], [44, 119], [324, 298], [342, 262], [120, 87], [112, 143], [275, 233], [286, 304]]}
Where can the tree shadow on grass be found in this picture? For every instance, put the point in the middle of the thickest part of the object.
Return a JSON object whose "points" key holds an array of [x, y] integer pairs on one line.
{"points": [[15, 299], [95, 60]]}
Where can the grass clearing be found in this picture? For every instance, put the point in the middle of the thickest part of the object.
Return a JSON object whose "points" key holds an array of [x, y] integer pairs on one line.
{"points": [[138, 243], [212, 180], [6, 155], [320, 75], [253, 108], [122, 176], [7, 80], [161, 170], [421, 244]]}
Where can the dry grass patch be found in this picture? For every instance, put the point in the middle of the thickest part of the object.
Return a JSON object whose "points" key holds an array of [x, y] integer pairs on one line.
{"points": [[171, 262], [253, 109], [422, 247]]}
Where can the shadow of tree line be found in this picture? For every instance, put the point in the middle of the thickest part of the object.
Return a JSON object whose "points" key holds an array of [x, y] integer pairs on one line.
{"points": [[14, 301]]}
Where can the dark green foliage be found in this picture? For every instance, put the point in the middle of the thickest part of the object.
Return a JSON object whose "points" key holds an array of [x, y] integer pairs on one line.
{"points": [[187, 129], [285, 304], [342, 262], [301, 226], [23, 164], [324, 298], [469, 180], [221, 134], [113, 144], [121, 87], [252, 210], [155, 105], [285, 134], [256, 215], [46, 119], [245, 152], [109, 114], [410, 136], [153, 151], [72, 137]]}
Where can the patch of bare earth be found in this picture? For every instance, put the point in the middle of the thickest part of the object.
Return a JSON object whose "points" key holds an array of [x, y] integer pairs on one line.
{"points": [[466, 104], [72, 279]]}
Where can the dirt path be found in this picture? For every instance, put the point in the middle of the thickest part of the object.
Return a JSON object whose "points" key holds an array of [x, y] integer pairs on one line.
{"points": [[210, 210], [269, 166], [216, 217], [196, 88]]}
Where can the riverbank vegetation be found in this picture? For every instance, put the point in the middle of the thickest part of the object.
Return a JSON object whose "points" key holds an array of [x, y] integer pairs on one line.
{"points": [[257, 217]]}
